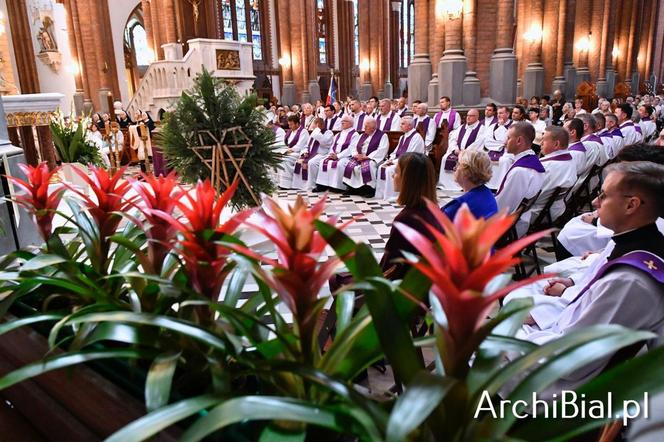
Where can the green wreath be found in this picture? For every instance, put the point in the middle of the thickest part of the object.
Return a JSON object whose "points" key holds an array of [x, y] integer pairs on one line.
{"points": [[214, 105]]}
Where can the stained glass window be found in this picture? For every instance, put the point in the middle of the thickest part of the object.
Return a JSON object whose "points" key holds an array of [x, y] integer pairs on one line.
{"points": [[242, 21], [321, 31], [407, 32], [356, 32]]}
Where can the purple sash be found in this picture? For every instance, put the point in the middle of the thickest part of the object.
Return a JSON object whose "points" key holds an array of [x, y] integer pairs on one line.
{"points": [[562, 157], [330, 122], [401, 112], [494, 155], [450, 120], [595, 138], [424, 122], [360, 127], [529, 162], [577, 147], [365, 166], [312, 150], [344, 146], [294, 141], [494, 120], [635, 126], [616, 132], [471, 138], [605, 135], [638, 129], [401, 149], [388, 123], [647, 262]]}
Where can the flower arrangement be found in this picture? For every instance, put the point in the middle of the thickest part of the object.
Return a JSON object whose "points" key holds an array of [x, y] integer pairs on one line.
{"points": [[69, 138], [158, 278]]}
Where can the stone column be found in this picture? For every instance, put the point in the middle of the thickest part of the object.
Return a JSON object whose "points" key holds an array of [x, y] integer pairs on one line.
{"points": [[346, 48], [388, 88], [76, 49], [631, 45], [436, 43], [452, 66], [559, 79], [395, 22], [19, 24], [569, 68], [648, 71], [309, 60], [419, 70], [610, 68], [366, 88], [602, 85], [289, 90], [502, 85], [533, 78], [584, 11], [471, 84]]}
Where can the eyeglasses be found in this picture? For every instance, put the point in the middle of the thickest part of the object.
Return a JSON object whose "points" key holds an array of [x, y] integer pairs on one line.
{"points": [[602, 196]]}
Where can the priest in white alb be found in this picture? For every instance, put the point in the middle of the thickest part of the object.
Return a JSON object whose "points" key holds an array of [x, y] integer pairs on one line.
{"points": [[330, 175], [358, 115], [361, 167], [494, 144], [320, 140], [410, 141], [447, 113], [296, 141], [387, 120], [468, 136], [425, 125]]}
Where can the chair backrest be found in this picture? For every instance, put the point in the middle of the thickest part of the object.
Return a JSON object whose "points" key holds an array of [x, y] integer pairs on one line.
{"points": [[545, 215], [525, 205]]}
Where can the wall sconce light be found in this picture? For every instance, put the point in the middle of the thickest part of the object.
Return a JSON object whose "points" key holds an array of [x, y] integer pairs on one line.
{"points": [[365, 66], [615, 52], [583, 44], [452, 8], [74, 68], [534, 34], [284, 61]]}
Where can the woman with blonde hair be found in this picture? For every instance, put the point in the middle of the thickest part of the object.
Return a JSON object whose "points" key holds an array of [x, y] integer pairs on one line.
{"points": [[472, 173]]}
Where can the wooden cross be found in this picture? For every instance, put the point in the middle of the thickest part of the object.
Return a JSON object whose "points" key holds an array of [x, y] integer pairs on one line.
{"points": [[222, 153]]}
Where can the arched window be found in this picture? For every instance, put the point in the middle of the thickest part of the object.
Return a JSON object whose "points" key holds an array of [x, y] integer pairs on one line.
{"points": [[242, 20], [356, 31], [321, 31], [407, 47], [136, 41]]}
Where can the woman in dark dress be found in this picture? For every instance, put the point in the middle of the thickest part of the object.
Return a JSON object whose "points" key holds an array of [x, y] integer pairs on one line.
{"points": [[415, 180]]}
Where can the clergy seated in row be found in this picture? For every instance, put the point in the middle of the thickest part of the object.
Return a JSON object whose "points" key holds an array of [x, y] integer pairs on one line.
{"points": [[494, 144], [539, 125], [595, 153], [362, 166], [524, 178], [387, 120], [401, 107], [577, 149], [628, 288], [611, 144], [647, 125], [279, 134], [630, 132], [425, 125], [472, 172], [332, 119], [296, 142], [490, 116], [586, 233], [308, 116], [331, 167], [507, 159], [305, 170], [559, 171], [468, 136], [410, 141], [358, 115]]}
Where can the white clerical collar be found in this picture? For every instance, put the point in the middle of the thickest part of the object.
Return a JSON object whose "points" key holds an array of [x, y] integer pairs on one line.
{"points": [[524, 153], [387, 115], [601, 132], [447, 111], [407, 134], [625, 123], [343, 131], [359, 113], [472, 126], [555, 154]]}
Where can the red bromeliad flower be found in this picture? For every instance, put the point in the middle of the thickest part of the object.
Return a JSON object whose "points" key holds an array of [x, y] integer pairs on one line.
{"points": [[111, 191], [158, 195], [459, 264], [36, 198], [205, 259], [297, 275]]}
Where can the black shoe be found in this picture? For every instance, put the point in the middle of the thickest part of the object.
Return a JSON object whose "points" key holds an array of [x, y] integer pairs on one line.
{"points": [[319, 188]]}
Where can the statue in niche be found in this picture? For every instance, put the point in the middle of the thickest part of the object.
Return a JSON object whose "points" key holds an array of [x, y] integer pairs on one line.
{"points": [[45, 36]]}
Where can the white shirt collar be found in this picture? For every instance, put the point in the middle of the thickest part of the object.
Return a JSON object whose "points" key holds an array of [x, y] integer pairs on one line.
{"points": [[524, 153]]}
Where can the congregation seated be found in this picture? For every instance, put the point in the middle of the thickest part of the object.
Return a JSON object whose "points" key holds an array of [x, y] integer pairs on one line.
{"points": [[592, 143], [468, 136], [279, 134], [631, 132], [424, 124], [305, 170], [472, 172], [625, 287], [410, 141], [361, 167], [386, 119], [331, 165], [577, 149], [524, 178], [646, 123], [494, 145]]}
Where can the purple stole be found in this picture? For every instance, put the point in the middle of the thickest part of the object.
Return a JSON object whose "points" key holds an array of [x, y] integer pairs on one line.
{"points": [[401, 112], [360, 126], [344, 146], [605, 135], [452, 158], [494, 155], [577, 147], [365, 166], [294, 141], [616, 132], [329, 123], [494, 120], [562, 157], [529, 162], [595, 138], [635, 126], [450, 120], [647, 262], [388, 124], [312, 149], [425, 124], [401, 149]]}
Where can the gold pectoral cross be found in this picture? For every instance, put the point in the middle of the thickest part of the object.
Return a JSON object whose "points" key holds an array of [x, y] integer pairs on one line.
{"points": [[651, 265]]}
